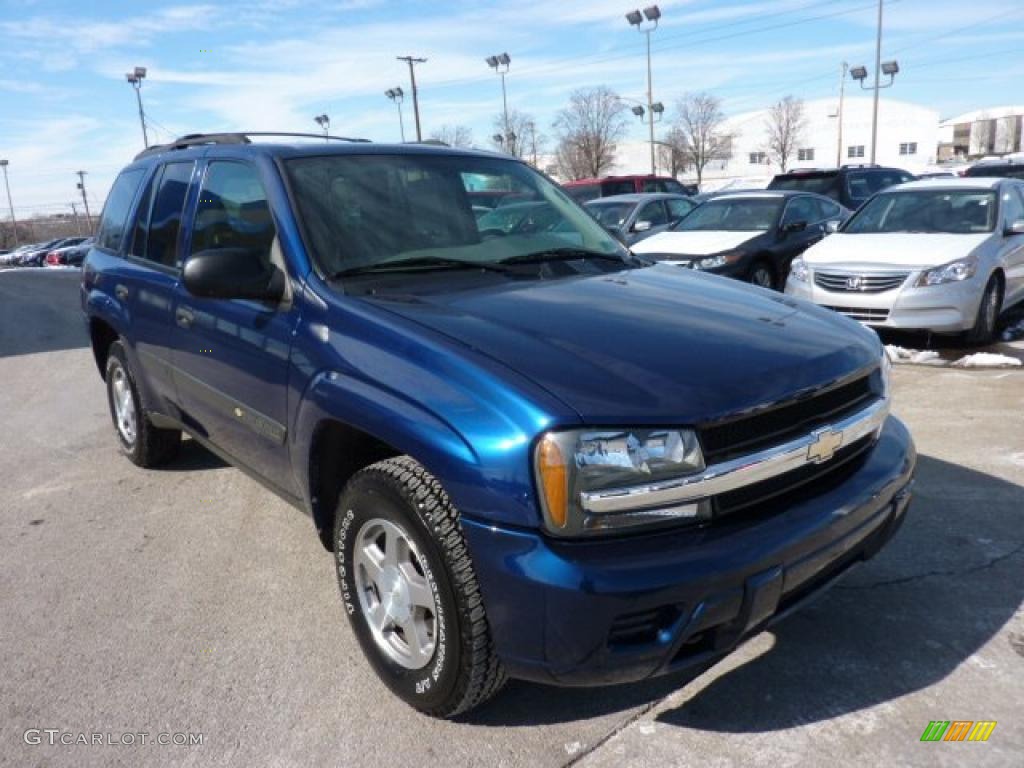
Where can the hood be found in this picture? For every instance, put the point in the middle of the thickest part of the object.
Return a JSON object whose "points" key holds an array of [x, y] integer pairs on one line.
{"points": [[695, 243], [658, 345], [908, 250]]}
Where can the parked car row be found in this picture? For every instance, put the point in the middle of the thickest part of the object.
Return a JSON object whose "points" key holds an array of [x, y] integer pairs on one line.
{"points": [[37, 254]]}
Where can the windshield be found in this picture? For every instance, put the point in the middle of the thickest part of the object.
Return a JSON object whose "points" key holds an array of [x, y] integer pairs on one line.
{"points": [[819, 184], [611, 214], [733, 214], [360, 211], [938, 211]]}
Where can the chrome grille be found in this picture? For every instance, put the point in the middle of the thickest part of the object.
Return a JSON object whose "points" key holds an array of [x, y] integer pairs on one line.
{"points": [[854, 282], [863, 314]]}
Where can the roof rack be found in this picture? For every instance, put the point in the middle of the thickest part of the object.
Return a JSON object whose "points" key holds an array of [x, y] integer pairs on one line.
{"points": [[203, 139], [860, 165]]}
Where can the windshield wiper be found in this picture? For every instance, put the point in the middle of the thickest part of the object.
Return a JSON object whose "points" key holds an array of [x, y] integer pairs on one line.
{"points": [[417, 264], [561, 254]]}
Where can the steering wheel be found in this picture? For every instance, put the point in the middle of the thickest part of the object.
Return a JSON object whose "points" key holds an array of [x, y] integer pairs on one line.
{"points": [[487, 234]]}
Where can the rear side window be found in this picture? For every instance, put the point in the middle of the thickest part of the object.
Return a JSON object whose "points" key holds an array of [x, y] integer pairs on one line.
{"points": [[165, 217], [821, 184], [233, 211], [609, 188], [115, 211]]}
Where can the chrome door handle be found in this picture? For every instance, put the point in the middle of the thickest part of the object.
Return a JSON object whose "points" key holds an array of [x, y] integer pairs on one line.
{"points": [[184, 316], [121, 291]]}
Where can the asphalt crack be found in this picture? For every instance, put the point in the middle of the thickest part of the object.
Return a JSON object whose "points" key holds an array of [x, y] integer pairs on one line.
{"points": [[1019, 549]]}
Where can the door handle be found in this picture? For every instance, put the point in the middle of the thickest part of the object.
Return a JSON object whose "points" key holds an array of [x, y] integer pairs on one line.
{"points": [[121, 291], [184, 316]]}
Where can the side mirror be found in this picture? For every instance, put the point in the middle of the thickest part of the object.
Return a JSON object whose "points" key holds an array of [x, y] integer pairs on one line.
{"points": [[233, 273], [641, 226], [617, 233], [831, 227], [795, 226], [1014, 228]]}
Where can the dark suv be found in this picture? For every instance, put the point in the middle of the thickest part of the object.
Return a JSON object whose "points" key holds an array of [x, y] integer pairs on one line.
{"points": [[1009, 167], [532, 454], [850, 185]]}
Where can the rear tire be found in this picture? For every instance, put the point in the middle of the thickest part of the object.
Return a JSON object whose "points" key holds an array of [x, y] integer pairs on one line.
{"points": [[988, 313], [143, 444], [410, 592]]}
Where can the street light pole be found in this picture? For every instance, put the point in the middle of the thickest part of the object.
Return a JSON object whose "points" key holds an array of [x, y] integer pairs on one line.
{"points": [[324, 122], [839, 138], [135, 80], [878, 71], [397, 95], [85, 200], [10, 204], [652, 14], [412, 61], [496, 63]]}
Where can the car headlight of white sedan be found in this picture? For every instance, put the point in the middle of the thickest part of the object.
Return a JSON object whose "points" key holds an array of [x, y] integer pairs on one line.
{"points": [[798, 270], [955, 271]]}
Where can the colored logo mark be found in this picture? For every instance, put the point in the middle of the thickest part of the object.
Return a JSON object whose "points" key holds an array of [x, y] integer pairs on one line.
{"points": [[958, 730]]}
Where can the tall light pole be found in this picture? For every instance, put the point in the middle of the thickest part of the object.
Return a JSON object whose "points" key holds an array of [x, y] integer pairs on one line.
{"points": [[890, 68], [500, 64], [10, 204], [85, 200], [412, 61], [839, 133], [135, 79], [324, 122], [635, 18], [397, 95]]}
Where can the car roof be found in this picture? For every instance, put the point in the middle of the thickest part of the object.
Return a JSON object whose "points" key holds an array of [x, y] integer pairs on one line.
{"points": [[239, 145], [770, 193], [796, 172], [964, 182], [637, 197]]}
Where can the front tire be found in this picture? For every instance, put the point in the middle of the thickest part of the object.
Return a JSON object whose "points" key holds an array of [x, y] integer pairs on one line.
{"points": [[761, 274], [988, 313], [143, 444], [410, 592]]}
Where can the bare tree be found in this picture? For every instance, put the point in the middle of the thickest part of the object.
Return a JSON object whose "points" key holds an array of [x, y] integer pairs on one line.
{"points": [[453, 135], [672, 152], [588, 132], [785, 126], [700, 128], [522, 133]]}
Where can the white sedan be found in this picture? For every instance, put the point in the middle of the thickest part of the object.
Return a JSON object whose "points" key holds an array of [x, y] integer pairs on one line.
{"points": [[944, 255]]}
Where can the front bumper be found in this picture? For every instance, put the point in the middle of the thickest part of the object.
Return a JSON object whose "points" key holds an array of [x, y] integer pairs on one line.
{"points": [[948, 308], [618, 610]]}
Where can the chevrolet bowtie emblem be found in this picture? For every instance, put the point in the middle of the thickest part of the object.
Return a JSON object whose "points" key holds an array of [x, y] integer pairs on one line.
{"points": [[824, 445]]}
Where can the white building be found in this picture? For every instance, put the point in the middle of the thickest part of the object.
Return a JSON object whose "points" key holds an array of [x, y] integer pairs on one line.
{"points": [[983, 132], [907, 138]]}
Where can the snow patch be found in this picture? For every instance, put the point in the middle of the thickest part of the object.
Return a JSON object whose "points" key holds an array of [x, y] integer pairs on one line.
{"points": [[573, 747], [916, 356], [987, 360]]}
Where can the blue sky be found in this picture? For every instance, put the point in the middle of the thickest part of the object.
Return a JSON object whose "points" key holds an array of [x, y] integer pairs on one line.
{"points": [[265, 65]]}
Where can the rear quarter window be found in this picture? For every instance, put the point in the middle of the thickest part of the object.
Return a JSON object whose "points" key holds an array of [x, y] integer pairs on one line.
{"points": [[113, 221]]}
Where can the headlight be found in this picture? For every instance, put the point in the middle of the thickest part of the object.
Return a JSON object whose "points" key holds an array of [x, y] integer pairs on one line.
{"points": [[568, 464], [953, 272], [798, 270], [718, 260]]}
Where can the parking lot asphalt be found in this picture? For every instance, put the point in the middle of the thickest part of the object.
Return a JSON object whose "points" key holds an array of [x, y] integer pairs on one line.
{"points": [[189, 599]]}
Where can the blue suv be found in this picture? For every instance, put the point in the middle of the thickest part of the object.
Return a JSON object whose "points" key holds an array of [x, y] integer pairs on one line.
{"points": [[532, 453]]}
